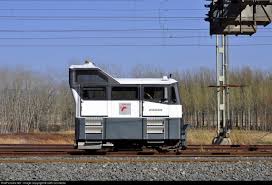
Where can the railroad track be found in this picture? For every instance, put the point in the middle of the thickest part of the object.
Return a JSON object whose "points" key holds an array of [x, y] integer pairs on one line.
{"points": [[192, 150]]}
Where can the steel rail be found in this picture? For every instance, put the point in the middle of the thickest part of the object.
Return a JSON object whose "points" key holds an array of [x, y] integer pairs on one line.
{"points": [[192, 150]]}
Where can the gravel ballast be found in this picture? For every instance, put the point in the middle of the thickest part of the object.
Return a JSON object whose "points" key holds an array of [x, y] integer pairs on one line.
{"points": [[134, 168]]}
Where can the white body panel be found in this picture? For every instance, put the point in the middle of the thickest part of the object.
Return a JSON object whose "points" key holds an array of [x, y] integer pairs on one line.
{"points": [[175, 111], [77, 102], [155, 109], [111, 108], [115, 109], [94, 108]]}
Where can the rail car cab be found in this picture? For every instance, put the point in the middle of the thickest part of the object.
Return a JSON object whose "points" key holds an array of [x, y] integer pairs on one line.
{"points": [[112, 112]]}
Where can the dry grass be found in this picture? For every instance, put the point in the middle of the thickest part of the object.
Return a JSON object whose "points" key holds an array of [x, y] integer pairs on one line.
{"points": [[37, 138], [204, 136], [195, 136]]}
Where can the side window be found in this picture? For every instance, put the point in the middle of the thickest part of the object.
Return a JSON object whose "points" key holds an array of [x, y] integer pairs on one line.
{"points": [[155, 94], [124, 93], [173, 95], [90, 76], [93, 93]]}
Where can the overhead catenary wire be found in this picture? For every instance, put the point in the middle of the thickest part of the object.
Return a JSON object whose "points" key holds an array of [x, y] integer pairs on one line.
{"points": [[128, 45], [106, 19], [38, 17], [117, 37], [99, 9], [61, 17], [69, 17], [74, 1], [103, 30], [104, 37], [108, 30]]}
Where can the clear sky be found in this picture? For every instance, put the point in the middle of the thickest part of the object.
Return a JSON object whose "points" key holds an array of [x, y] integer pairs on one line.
{"points": [[50, 34]]}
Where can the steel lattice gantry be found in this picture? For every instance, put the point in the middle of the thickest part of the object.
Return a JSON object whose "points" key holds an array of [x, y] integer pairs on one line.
{"points": [[232, 17], [238, 17]]}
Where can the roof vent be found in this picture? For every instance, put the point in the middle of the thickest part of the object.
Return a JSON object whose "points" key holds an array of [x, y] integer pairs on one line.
{"points": [[89, 63], [164, 78]]}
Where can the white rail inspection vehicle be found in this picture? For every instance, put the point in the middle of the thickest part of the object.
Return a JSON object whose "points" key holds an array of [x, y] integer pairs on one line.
{"points": [[125, 112]]}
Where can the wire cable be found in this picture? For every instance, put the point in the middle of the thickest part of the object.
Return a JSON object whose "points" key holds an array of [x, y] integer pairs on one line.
{"points": [[128, 45], [69, 0], [94, 17], [118, 37], [103, 37], [99, 9], [105, 30]]}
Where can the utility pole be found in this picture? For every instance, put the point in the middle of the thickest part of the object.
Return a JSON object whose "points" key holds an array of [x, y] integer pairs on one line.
{"points": [[222, 87]]}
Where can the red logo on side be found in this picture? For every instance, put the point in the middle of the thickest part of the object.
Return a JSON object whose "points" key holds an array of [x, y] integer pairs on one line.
{"points": [[123, 107]]}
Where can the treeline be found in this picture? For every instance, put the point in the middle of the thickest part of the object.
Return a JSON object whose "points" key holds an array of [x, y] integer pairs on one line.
{"points": [[34, 102], [250, 106]]}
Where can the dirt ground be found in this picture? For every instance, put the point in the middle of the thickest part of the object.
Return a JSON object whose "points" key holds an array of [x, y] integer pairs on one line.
{"points": [[195, 136]]}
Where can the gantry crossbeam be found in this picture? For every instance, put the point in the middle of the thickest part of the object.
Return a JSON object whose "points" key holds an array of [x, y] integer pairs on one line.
{"points": [[238, 17]]}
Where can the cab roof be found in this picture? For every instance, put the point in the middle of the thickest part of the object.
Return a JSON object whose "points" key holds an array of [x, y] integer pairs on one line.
{"points": [[143, 81], [126, 81]]}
